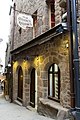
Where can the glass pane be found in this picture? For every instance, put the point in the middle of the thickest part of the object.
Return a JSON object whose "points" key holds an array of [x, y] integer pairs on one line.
{"points": [[52, 18], [52, 8], [52, 15], [55, 68], [51, 69], [56, 85], [50, 84], [52, 24]]}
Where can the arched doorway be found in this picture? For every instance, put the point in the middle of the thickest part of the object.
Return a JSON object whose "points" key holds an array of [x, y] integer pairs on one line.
{"points": [[20, 84], [32, 88]]}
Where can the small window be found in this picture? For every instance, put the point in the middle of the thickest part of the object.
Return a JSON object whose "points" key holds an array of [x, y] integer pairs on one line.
{"points": [[52, 14], [54, 82], [35, 24], [20, 31]]}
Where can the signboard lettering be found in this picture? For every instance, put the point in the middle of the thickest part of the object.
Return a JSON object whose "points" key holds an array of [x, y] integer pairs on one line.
{"points": [[24, 20]]}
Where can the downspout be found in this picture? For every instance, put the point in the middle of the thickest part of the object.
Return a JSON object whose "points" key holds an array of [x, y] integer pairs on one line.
{"points": [[71, 66], [76, 59]]}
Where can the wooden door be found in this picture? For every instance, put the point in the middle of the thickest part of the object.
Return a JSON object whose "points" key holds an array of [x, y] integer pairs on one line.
{"points": [[20, 84], [32, 88]]}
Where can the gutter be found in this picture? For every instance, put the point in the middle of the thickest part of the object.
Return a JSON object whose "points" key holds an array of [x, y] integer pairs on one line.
{"points": [[71, 65]]}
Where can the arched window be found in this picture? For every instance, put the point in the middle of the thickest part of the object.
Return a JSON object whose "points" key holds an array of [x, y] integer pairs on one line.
{"points": [[54, 82]]}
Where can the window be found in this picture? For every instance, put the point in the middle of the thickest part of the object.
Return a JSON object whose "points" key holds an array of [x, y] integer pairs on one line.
{"points": [[20, 84], [54, 82], [52, 14], [20, 30], [35, 24]]}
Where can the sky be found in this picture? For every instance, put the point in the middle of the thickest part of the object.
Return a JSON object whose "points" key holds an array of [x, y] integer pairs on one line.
{"points": [[4, 27]]}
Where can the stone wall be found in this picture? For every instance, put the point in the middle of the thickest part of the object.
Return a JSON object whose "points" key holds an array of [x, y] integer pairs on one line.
{"points": [[53, 51], [30, 6]]}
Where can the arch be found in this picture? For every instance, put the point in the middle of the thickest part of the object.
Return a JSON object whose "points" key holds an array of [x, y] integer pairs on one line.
{"points": [[50, 60]]}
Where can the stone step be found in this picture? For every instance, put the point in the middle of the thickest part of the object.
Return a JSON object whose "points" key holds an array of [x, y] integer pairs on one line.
{"points": [[31, 108], [17, 102]]}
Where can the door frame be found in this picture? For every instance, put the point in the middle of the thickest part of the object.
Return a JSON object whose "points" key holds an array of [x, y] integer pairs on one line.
{"points": [[35, 88], [20, 97]]}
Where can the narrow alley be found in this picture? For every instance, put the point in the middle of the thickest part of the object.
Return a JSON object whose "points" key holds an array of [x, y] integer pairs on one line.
{"points": [[11, 111]]}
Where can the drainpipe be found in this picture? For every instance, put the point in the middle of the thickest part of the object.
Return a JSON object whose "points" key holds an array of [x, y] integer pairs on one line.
{"points": [[76, 59], [71, 66]]}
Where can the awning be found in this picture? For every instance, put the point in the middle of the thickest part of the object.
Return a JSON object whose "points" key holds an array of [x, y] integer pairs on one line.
{"points": [[48, 35]]}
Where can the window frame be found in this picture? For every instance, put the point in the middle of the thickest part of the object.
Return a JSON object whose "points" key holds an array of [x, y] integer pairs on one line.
{"points": [[53, 83], [50, 14], [35, 24]]}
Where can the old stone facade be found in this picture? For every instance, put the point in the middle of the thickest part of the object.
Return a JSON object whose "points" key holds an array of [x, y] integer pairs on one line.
{"points": [[54, 51], [30, 6], [32, 57]]}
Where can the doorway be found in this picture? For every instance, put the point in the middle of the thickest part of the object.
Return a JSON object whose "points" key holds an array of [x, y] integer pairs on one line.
{"points": [[32, 88], [20, 84]]}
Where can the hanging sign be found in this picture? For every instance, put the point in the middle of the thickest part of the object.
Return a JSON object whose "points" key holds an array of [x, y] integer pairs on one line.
{"points": [[24, 20]]}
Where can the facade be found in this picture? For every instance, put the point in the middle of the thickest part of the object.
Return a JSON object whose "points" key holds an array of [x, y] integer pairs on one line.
{"points": [[40, 58]]}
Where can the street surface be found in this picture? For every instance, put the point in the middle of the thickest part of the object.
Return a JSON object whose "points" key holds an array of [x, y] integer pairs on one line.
{"points": [[12, 111]]}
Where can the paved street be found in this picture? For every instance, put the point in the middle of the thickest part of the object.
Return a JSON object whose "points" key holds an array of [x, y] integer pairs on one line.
{"points": [[11, 111]]}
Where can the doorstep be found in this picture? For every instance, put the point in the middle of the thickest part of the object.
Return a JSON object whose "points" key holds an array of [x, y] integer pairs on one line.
{"points": [[17, 102], [31, 108]]}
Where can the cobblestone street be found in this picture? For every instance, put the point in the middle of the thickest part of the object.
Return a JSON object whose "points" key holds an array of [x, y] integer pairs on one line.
{"points": [[11, 111]]}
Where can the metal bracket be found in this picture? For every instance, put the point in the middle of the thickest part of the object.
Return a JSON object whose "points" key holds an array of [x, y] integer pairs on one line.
{"points": [[76, 60]]}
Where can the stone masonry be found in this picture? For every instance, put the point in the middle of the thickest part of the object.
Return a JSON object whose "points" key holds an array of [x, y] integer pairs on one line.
{"points": [[30, 6], [54, 50]]}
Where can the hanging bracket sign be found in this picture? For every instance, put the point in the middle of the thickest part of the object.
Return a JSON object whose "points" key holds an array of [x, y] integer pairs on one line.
{"points": [[24, 20]]}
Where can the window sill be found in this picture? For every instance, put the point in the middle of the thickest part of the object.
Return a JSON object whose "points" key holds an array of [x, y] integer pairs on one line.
{"points": [[54, 99], [53, 104]]}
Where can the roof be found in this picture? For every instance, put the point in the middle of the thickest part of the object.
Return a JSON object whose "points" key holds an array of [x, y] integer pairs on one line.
{"points": [[55, 31]]}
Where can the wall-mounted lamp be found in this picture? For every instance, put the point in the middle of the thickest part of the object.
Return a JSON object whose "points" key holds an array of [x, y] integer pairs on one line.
{"points": [[67, 45], [13, 62], [9, 65], [24, 60], [37, 57], [28, 57]]}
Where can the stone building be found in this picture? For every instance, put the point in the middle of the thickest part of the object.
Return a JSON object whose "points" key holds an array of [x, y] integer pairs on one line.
{"points": [[41, 58]]}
